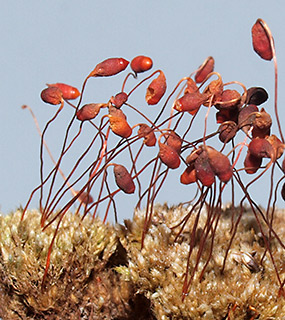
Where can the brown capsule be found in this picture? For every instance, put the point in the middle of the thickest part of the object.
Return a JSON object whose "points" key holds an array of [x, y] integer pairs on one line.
{"points": [[89, 111], [85, 198], [168, 156], [224, 115], [261, 40], [260, 133], [252, 163], [277, 145], [141, 64], [261, 148], [120, 126], [109, 67], [227, 131], [261, 124], [156, 89], [52, 95], [116, 112], [119, 99], [228, 99], [190, 102], [189, 175], [68, 92], [204, 171], [206, 68], [220, 164], [148, 134], [246, 117], [123, 179], [283, 165]]}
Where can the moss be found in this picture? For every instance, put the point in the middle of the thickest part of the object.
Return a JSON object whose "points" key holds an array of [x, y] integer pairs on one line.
{"points": [[78, 282], [158, 270], [100, 271]]}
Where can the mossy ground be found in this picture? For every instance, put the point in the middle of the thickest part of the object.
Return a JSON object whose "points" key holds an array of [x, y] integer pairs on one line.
{"points": [[100, 271]]}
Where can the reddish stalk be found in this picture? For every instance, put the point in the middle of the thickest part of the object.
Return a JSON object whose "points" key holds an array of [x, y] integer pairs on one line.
{"points": [[41, 152]]}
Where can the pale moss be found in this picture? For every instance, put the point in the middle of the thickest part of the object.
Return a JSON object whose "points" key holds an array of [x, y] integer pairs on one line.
{"points": [[99, 271], [158, 270], [79, 259]]}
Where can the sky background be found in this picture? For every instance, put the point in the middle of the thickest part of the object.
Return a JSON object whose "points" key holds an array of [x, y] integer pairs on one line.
{"points": [[62, 41]]}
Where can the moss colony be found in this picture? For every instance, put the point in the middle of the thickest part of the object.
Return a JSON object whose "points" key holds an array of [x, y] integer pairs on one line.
{"points": [[100, 271]]}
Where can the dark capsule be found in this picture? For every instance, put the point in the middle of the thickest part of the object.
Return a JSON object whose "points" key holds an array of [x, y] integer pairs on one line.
{"points": [[256, 96]]}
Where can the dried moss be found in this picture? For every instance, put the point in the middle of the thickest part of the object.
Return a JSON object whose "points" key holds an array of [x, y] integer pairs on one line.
{"points": [[100, 272]]}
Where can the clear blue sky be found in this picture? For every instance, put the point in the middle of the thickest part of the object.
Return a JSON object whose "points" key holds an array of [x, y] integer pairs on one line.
{"points": [[61, 41]]}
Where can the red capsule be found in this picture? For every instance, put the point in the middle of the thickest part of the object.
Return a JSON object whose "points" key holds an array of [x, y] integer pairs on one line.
{"points": [[252, 163], [52, 95], [156, 89], [173, 140], [123, 179], [220, 164], [68, 92], [119, 99], [229, 99], [261, 148], [89, 111], [120, 126], [227, 130], [261, 40], [141, 64], [147, 133], [190, 102], [168, 156], [204, 171], [206, 68], [189, 175], [191, 86], [109, 67]]}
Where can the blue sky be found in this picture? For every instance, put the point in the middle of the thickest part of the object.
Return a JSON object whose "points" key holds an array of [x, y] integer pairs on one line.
{"points": [[61, 41]]}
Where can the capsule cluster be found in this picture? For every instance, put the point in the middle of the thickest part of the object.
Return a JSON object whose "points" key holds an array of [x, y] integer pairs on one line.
{"points": [[154, 146]]}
